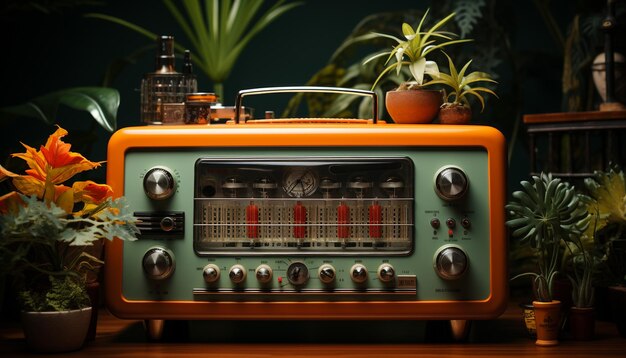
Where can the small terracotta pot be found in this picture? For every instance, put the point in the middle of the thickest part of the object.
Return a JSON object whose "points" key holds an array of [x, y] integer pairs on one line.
{"points": [[582, 323], [547, 317], [413, 106], [455, 114]]}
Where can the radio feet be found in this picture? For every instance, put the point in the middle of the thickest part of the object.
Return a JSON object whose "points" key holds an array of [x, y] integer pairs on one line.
{"points": [[460, 329], [154, 328]]}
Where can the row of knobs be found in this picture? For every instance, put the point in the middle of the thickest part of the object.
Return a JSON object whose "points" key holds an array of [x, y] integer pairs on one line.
{"points": [[158, 263], [297, 273], [450, 183]]}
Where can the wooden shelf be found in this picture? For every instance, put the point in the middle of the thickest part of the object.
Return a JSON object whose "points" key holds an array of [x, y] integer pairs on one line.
{"points": [[503, 337]]}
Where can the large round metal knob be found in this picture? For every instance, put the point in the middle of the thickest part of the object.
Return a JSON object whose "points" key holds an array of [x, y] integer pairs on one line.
{"points": [[451, 183], [211, 273], [358, 273], [159, 184], [327, 273], [263, 274], [237, 274], [386, 273], [158, 263], [451, 263]]}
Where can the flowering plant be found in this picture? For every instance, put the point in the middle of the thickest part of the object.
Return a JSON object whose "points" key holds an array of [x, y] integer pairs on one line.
{"points": [[46, 225]]}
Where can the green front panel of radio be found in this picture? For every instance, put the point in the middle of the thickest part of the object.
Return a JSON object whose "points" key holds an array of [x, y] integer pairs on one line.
{"points": [[414, 277]]}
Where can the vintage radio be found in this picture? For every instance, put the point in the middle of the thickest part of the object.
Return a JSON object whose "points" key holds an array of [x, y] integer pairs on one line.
{"points": [[309, 219]]}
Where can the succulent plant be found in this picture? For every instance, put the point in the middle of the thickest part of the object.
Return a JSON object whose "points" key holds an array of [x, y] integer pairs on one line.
{"points": [[547, 213]]}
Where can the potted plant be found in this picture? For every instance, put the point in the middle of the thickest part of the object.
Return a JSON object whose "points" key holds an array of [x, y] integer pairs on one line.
{"points": [[405, 104], [542, 215], [456, 107], [607, 192], [581, 261], [46, 227]]}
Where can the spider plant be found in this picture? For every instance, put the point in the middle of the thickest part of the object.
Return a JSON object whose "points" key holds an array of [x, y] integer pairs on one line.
{"points": [[218, 31], [546, 214], [460, 85], [417, 44]]}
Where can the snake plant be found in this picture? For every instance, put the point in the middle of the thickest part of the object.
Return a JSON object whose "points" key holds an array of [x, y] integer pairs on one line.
{"points": [[546, 214]]}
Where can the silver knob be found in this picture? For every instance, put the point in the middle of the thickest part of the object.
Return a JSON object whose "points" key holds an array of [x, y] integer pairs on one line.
{"points": [[327, 273], [358, 273], [263, 273], [451, 263], [211, 273], [158, 263], [159, 184], [237, 274], [386, 273], [451, 183]]}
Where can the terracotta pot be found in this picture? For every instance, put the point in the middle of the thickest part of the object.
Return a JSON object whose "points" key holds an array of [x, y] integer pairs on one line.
{"points": [[547, 317], [413, 106], [52, 332], [455, 114], [617, 300], [582, 323]]}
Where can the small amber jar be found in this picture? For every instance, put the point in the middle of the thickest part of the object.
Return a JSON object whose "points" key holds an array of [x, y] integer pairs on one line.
{"points": [[198, 107]]}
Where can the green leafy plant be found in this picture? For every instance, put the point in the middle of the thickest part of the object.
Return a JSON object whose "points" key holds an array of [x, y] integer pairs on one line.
{"points": [[607, 205], [64, 294], [217, 30], [544, 215], [101, 103], [460, 85], [47, 226], [415, 46]]}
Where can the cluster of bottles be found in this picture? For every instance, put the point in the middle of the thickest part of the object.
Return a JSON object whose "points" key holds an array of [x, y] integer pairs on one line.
{"points": [[172, 97]]}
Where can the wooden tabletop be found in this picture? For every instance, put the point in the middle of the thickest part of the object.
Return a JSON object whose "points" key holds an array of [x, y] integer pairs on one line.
{"points": [[544, 118], [504, 337]]}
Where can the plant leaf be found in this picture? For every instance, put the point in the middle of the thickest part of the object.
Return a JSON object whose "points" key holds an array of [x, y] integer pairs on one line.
{"points": [[101, 102]]}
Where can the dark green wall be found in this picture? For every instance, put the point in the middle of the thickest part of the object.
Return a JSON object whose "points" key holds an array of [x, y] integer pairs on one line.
{"points": [[45, 52]]}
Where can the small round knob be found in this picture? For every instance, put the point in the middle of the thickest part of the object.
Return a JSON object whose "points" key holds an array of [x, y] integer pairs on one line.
{"points": [[451, 263], [386, 273], [168, 224], [211, 273], [263, 273], [358, 273], [237, 274], [451, 183], [158, 263], [159, 184], [327, 273]]}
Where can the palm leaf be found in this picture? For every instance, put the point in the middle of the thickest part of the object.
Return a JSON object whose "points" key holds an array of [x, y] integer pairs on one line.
{"points": [[101, 103]]}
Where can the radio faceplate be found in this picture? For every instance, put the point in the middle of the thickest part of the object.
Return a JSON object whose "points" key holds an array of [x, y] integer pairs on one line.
{"points": [[294, 223]]}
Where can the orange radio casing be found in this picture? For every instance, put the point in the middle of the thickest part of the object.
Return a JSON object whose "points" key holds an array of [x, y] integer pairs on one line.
{"points": [[309, 221]]}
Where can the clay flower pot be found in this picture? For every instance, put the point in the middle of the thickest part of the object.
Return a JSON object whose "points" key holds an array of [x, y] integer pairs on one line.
{"points": [[582, 323], [53, 332], [547, 318], [413, 106], [454, 114]]}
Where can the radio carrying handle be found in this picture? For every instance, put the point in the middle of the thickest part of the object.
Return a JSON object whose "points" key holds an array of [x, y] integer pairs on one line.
{"points": [[309, 89]]}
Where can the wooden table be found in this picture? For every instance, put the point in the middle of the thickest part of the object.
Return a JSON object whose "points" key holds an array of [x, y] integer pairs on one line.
{"points": [[504, 337]]}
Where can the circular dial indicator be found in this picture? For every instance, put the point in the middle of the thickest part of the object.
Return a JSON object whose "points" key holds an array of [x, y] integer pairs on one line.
{"points": [[300, 182], [297, 273]]}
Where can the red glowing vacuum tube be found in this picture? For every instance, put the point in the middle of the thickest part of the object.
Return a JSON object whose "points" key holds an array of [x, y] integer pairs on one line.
{"points": [[375, 218], [299, 219], [343, 221], [252, 220]]}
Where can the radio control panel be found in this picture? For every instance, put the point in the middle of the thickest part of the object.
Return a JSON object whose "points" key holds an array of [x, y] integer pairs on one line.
{"points": [[276, 222]]}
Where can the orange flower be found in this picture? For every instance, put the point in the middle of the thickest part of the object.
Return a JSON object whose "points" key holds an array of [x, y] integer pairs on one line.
{"points": [[90, 192], [54, 162]]}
